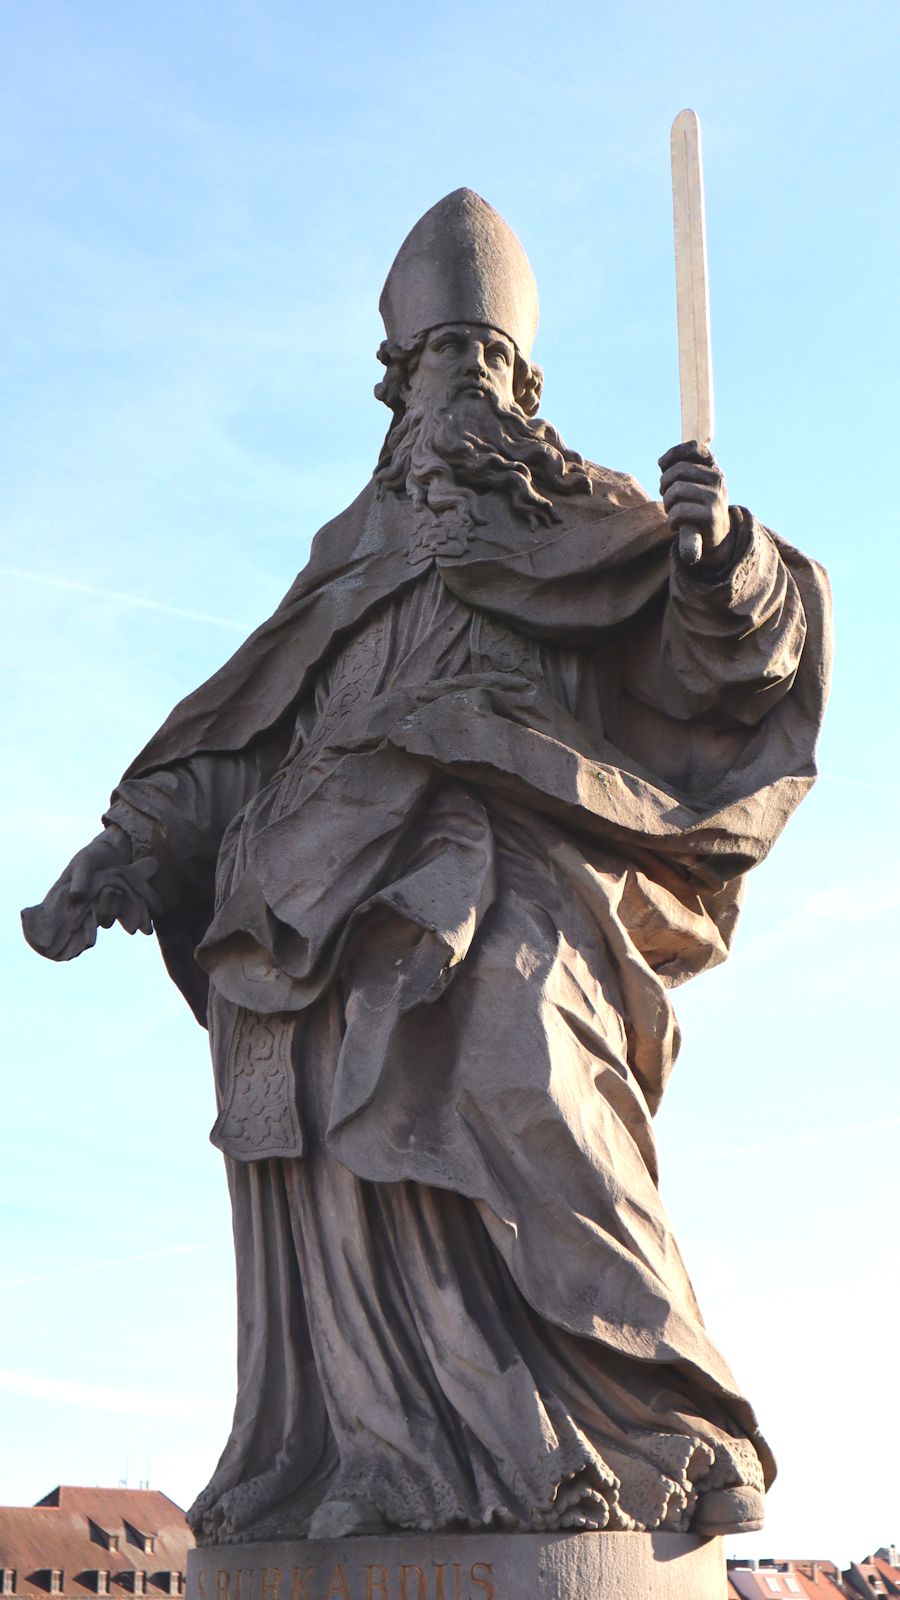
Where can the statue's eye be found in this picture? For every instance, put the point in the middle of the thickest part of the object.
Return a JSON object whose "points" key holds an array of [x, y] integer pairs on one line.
{"points": [[498, 355]]}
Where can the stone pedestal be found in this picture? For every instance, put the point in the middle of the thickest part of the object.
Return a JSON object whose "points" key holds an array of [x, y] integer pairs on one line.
{"points": [[471, 1566]]}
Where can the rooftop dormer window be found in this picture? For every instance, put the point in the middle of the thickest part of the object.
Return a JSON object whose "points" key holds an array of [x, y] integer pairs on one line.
{"points": [[144, 1541], [104, 1536]]}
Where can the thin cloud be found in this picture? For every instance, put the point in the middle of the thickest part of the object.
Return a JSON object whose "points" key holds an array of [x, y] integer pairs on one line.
{"points": [[110, 1261], [859, 783], [97, 1397], [862, 900], [799, 1141], [51, 581]]}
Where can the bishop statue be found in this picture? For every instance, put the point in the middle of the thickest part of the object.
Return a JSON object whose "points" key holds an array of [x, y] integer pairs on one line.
{"points": [[427, 857]]}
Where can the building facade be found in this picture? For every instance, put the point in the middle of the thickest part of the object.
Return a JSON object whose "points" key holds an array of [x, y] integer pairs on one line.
{"points": [[81, 1541]]}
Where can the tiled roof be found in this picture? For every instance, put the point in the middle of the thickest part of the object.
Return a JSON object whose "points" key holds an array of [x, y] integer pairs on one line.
{"points": [[890, 1575], [871, 1577], [821, 1580], [767, 1583], [789, 1579], [138, 1537]]}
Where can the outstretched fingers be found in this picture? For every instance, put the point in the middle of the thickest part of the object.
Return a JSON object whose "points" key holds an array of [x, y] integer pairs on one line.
{"points": [[135, 915], [127, 898]]}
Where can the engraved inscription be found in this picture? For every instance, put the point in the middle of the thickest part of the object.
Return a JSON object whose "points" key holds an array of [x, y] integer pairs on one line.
{"points": [[300, 1578], [412, 1589], [337, 1588], [344, 1580], [376, 1582], [483, 1583]]}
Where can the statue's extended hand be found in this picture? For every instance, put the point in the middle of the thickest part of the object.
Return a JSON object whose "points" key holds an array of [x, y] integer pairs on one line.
{"points": [[100, 886], [695, 498]]}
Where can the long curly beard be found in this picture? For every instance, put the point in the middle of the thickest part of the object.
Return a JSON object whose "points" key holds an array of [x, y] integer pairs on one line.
{"points": [[448, 457]]}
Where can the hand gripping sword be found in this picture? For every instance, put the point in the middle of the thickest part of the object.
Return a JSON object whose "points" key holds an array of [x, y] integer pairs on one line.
{"points": [[692, 298]]}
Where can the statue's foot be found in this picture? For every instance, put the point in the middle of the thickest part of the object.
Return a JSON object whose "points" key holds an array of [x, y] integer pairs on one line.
{"points": [[207, 1524], [341, 1519], [726, 1511], [577, 1506]]}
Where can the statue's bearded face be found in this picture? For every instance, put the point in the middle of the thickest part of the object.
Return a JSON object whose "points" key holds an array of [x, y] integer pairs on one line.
{"points": [[462, 360], [462, 397]]}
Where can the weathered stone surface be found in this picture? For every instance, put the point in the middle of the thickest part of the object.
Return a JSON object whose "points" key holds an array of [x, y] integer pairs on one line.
{"points": [[483, 274], [427, 856], [583, 1566]]}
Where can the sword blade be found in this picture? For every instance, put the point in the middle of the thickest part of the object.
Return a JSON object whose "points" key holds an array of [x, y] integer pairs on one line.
{"points": [[691, 286]]}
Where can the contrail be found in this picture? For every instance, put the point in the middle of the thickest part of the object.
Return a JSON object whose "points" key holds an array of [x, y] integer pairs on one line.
{"points": [[50, 581], [111, 1261]]}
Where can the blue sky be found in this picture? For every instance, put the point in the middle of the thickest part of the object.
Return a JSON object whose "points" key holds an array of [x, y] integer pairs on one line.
{"points": [[200, 205]]}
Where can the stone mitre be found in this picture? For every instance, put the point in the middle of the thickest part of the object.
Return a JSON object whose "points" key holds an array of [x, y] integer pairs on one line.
{"points": [[461, 263]]}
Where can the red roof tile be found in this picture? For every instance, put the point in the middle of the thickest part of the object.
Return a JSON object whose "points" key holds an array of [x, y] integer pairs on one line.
{"points": [[788, 1579], [821, 1580], [865, 1578], [71, 1531], [890, 1575]]}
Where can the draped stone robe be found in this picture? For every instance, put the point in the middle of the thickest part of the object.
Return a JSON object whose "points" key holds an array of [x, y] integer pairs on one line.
{"points": [[446, 831]]}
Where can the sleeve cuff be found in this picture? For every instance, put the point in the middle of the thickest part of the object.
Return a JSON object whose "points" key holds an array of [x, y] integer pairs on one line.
{"points": [[750, 566], [701, 572], [137, 828]]}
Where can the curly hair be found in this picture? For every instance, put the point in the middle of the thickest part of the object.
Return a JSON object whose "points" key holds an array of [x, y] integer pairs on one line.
{"points": [[401, 357], [447, 459]]}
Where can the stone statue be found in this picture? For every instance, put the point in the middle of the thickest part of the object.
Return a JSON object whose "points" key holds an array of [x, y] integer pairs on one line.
{"points": [[426, 856]]}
